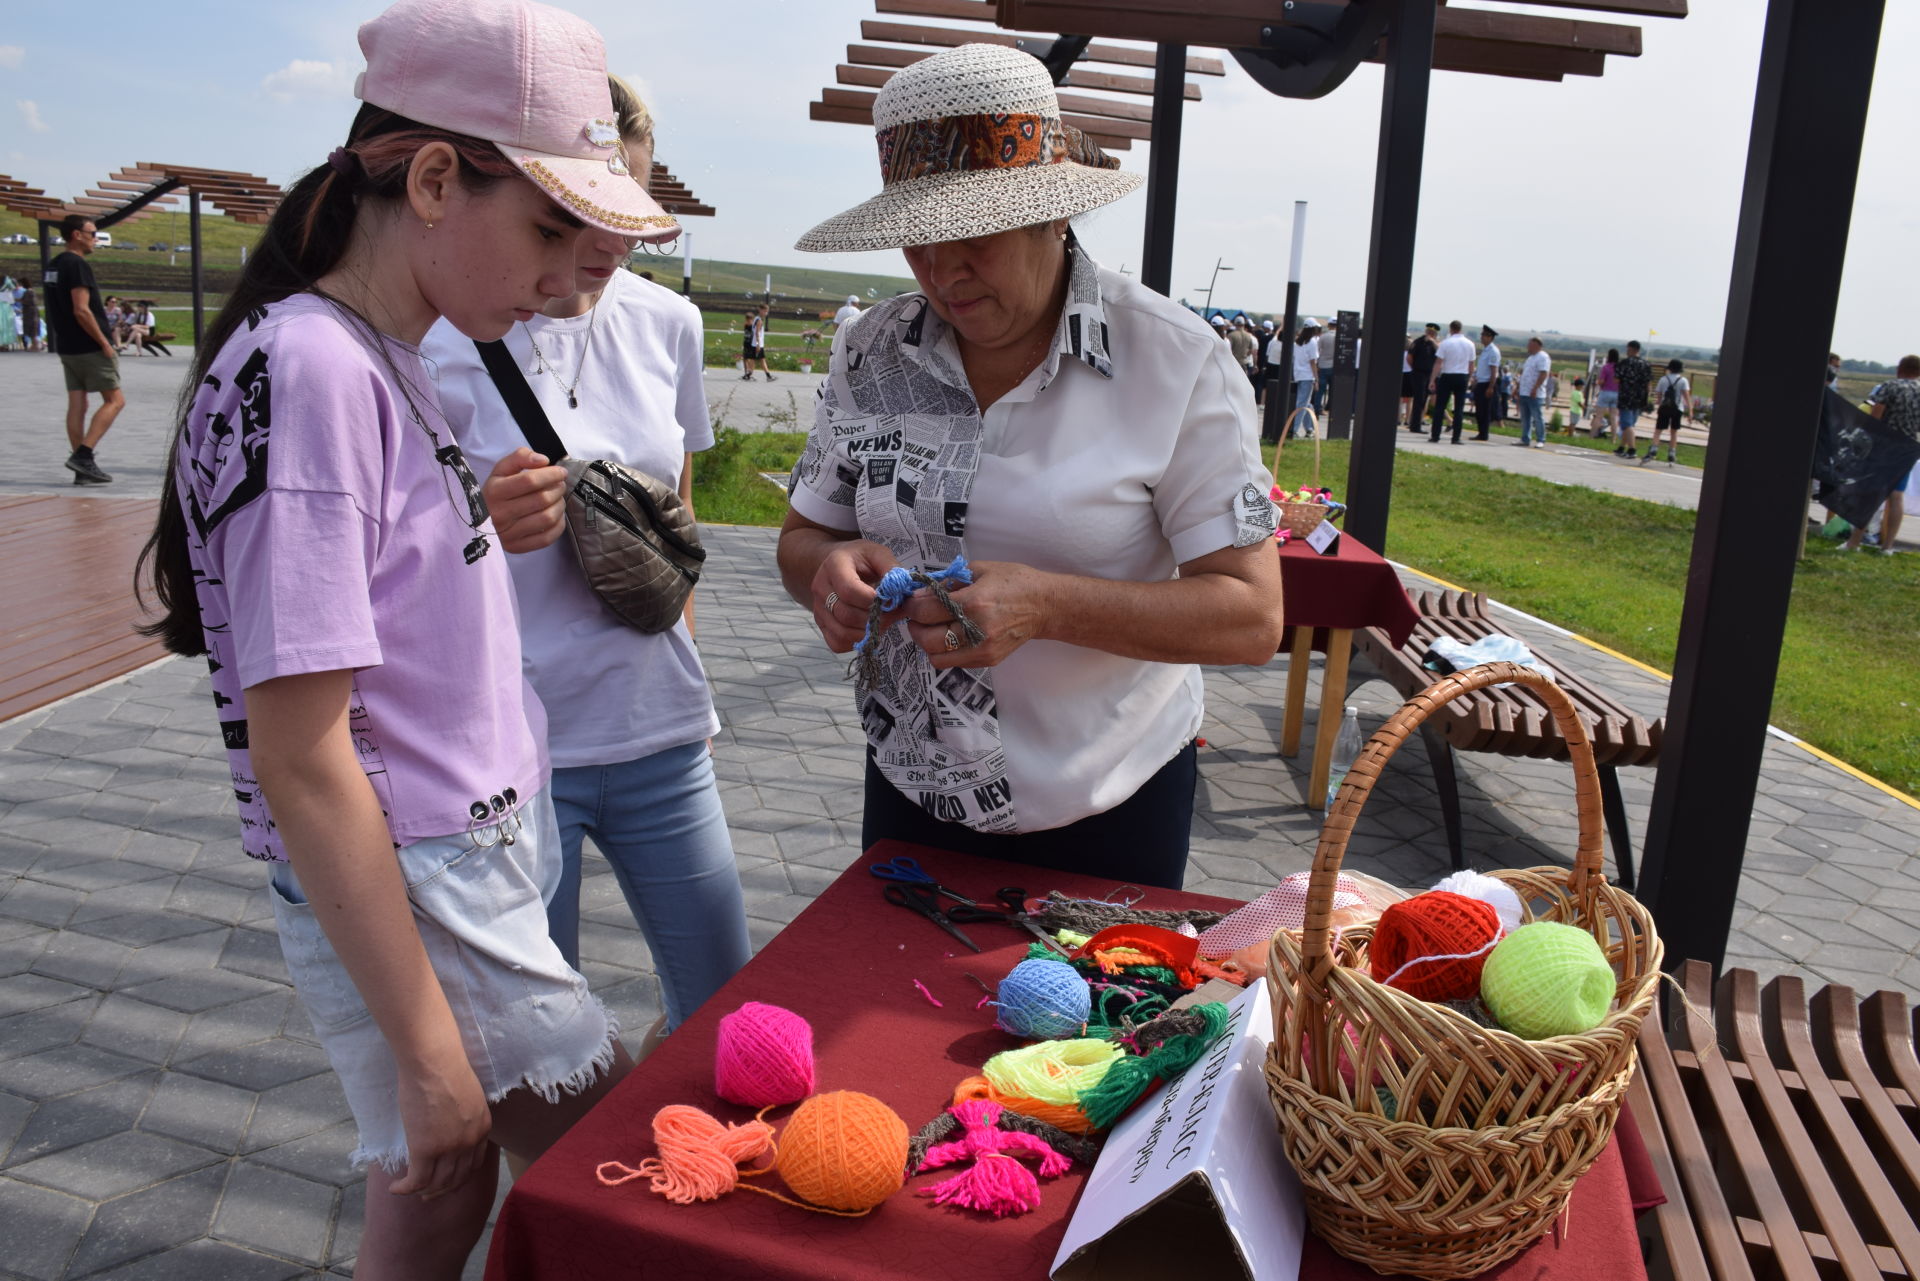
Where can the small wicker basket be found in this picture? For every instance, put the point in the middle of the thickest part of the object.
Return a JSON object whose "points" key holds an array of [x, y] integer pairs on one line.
{"points": [[1303, 518], [1426, 1144]]}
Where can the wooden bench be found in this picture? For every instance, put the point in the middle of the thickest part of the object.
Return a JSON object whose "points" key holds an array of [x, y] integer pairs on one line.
{"points": [[1786, 1133], [1509, 719]]}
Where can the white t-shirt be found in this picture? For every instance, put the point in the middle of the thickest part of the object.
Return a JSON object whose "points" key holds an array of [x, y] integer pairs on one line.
{"points": [[1121, 469], [1455, 354], [1680, 389], [612, 694], [1535, 373], [1305, 362], [847, 312]]}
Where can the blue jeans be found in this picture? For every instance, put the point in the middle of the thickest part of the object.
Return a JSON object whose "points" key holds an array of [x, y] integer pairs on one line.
{"points": [[659, 822], [1531, 419], [1322, 389], [1302, 399]]}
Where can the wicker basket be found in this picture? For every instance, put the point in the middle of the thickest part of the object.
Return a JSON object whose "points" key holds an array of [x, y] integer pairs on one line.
{"points": [[1494, 1130], [1304, 518]]}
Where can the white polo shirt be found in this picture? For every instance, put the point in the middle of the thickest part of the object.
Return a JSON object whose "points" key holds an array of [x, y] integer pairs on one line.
{"points": [[1455, 355], [1488, 364], [612, 694], [1131, 450]]}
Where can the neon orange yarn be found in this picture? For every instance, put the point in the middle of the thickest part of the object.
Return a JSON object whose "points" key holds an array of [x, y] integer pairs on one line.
{"points": [[1063, 1116]]}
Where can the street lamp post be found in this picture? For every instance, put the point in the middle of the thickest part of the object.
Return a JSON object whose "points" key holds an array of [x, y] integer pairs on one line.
{"points": [[1217, 269]]}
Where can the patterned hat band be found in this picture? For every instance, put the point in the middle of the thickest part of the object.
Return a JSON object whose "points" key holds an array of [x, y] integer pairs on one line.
{"points": [[956, 144]]}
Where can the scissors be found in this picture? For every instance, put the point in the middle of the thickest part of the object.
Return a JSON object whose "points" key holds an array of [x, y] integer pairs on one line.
{"points": [[1012, 911], [924, 897], [905, 870]]}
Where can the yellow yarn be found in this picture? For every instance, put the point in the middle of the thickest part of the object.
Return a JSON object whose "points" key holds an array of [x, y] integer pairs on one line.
{"points": [[1548, 979], [1052, 1071]]}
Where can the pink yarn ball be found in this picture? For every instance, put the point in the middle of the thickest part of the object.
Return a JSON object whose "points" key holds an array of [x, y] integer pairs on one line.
{"points": [[764, 1056]]}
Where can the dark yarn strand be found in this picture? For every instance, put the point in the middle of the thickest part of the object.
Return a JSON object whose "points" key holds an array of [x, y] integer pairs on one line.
{"points": [[1089, 917], [1083, 1148]]}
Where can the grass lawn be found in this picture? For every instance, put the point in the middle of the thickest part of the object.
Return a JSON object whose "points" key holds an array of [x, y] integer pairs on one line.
{"points": [[1610, 568], [1614, 569]]}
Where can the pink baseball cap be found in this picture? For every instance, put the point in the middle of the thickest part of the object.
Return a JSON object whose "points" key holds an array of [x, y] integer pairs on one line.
{"points": [[530, 79]]}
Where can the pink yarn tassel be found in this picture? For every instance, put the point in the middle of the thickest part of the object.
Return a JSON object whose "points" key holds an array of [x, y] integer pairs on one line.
{"points": [[997, 1185]]}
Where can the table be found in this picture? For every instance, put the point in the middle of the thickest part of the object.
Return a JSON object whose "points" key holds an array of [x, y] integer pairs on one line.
{"points": [[1326, 599], [847, 964]]}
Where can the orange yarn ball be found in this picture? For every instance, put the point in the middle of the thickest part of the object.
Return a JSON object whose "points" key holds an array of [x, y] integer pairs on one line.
{"points": [[844, 1150], [1434, 925]]}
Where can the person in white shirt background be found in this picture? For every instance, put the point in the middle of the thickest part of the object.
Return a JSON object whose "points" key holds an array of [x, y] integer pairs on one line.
{"points": [[1534, 376], [1672, 401], [1486, 371], [848, 313], [617, 368], [1451, 366], [1306, 373]]}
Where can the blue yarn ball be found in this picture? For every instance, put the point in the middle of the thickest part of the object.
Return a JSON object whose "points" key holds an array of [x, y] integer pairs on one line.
{"points": [[1044, 1001]]}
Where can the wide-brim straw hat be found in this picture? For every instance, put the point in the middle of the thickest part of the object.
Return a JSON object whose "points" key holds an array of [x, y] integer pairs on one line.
{"points": [[972, 144]]}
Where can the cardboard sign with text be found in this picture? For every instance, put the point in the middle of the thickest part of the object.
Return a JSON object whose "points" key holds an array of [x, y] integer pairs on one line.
{"points": [[1194, 1178]]}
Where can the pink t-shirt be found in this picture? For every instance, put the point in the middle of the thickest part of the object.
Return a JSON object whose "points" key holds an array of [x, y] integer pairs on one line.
{"points": [[333, 523]]}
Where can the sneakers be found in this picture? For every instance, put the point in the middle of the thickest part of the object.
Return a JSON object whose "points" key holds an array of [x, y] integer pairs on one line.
{"points": [[1670, 459], [1539, 444], [770, 377], [85, 470], [1646, 458], [748, 377]]}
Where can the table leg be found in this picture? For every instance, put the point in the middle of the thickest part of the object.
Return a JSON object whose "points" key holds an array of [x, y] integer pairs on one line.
{"points": [[1333, 701], [1296, 707]]}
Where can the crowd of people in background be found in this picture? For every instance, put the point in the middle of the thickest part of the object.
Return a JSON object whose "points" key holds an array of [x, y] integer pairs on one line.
{"points": [[20, 324]]}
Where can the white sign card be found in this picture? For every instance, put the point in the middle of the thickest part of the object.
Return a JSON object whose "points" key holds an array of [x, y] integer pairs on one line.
{"points": [[1195, 1176], [1322, 536]]}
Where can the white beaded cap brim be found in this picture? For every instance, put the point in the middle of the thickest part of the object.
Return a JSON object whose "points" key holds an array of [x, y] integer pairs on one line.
{"points": [[974, 202]]}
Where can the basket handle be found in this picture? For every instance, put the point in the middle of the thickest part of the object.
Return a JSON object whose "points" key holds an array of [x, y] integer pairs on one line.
{"points": [[1313, 429], [1315, 943]]}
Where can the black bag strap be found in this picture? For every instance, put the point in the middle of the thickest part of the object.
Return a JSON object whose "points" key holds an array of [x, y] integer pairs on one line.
{"points": [[521, 402]]}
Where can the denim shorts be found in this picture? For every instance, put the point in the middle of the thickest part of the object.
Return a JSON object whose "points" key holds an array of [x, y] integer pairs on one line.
{"points": [[525, 1016], [1606, 400]]}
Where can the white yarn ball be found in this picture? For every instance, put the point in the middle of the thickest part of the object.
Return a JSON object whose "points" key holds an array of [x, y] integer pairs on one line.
{"points": [[1496, 893]]}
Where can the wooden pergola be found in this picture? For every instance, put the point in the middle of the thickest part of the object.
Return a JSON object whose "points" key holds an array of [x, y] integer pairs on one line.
{"points": [[1810, 104]]}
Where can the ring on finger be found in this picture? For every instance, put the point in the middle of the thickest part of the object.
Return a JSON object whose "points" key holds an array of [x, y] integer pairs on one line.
{"points": [[833, 598], [953, 640]]}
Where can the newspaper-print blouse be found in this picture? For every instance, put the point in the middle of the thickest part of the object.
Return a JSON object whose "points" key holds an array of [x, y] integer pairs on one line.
{"points": [[1131, 450]]}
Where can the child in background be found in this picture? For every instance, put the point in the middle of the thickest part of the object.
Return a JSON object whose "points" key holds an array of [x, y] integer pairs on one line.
{"points": [[1576, 405]]}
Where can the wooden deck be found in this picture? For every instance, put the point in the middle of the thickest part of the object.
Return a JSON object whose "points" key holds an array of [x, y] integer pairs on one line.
{"points": [[67, 609]]}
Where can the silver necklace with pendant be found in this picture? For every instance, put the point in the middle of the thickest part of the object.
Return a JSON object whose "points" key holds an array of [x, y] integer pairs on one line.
{"points": [[546, 366]]}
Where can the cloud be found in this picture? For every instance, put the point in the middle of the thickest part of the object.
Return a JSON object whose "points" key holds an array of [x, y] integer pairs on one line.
{"points": [[30, 112], [306, 78], [11, 56]]}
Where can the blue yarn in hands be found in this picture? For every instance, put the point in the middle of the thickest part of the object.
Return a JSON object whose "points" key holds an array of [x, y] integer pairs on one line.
{"points": [[898, 583]]}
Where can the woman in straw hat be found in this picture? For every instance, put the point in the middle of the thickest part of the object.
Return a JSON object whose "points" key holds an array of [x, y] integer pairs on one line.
{"points": [[324, 543], [1085, 443]]}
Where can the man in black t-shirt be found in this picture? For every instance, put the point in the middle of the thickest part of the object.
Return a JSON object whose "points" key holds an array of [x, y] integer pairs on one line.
{"points": [[1424, 352], [78, 325]]}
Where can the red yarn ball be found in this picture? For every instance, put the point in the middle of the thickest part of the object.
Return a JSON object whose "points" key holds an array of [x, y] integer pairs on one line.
{"points": [[1437, 923]]}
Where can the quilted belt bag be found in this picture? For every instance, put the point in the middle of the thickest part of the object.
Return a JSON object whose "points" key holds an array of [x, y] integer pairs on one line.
{"points": [[634, 538]]}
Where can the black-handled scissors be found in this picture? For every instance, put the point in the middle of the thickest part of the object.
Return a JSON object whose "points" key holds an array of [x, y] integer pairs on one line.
{"points": [[1012, 911], [907, 871], [924, 898]]}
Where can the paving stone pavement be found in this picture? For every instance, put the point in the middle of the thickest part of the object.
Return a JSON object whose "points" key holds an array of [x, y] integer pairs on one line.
{"points": [[165, 1112]]}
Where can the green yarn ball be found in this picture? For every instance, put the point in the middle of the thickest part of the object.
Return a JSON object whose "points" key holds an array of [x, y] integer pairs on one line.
{"points": [[1548, 979]]}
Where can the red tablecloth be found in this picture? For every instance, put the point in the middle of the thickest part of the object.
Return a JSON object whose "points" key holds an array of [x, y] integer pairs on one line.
{"points": [[1351, 586], [847, 964]]}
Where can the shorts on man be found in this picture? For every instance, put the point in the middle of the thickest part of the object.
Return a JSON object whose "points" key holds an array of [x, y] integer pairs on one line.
{"points": [[91, 371]]}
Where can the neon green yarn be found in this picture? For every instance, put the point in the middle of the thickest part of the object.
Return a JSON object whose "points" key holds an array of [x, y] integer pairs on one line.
{"points": [[1059, 1072], [1548, 979]]}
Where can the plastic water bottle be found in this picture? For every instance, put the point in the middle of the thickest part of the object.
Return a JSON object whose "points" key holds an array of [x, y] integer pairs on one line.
{"points": [[1346, 750]]}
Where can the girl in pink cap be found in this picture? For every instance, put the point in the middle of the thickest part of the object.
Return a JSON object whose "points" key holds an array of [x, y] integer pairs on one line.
{"points": [[325, 545]]}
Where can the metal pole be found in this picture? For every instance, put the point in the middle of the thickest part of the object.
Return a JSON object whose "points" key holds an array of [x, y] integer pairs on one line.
{"points": [[1280, 401], [1163, 166], [1396, 210], [199, 286], [1816, 69]]}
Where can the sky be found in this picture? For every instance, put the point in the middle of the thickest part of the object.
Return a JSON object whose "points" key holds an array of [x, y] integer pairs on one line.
{"points": [[1603, 206]]}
